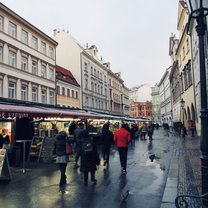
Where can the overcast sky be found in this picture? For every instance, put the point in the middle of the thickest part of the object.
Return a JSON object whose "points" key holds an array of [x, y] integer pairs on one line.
{"points": [[133, 35]]}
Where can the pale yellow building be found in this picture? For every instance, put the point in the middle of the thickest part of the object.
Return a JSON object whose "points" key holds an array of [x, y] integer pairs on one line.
{"points": [[184, 64], [67, 88]]}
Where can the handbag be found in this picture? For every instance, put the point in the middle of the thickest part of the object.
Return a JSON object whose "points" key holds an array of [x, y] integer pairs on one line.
{"points": [[68, 149]]}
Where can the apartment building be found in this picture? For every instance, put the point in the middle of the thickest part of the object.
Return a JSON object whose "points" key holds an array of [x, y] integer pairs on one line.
{"points": [[156, 117], [184, 63], [141, 110], [27, 60], [67, 88], [165, 98], [94, 81], [126, 101]]}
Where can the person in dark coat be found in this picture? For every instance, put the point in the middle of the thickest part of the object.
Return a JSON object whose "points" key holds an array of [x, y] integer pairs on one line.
{"points": [[1, 141], [61, 156], [107, 140], [72, 128], [89, 160]]}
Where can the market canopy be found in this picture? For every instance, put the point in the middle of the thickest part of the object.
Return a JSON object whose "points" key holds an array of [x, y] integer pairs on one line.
{"points": [[23, 111]]}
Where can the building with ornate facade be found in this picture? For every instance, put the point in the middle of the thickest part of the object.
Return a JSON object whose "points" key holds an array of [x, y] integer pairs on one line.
{"points": [[184, 63], [27, 60]]}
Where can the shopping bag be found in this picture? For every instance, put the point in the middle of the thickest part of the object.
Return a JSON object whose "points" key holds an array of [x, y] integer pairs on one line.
{"points": [[68, 149]]}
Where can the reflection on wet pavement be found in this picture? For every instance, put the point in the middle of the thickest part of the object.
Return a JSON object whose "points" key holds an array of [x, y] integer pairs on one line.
{"points": [[146, 175]]}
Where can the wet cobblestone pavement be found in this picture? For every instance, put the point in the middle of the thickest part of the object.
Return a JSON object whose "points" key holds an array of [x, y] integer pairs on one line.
{"points": [[190, 170], [142, 187]]}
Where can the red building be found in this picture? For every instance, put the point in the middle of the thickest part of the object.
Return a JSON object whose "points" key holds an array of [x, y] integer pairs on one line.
{"points": [[141, 110]]}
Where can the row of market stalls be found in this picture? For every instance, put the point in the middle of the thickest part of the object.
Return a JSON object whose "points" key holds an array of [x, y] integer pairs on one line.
{"points": [[24, 122]]}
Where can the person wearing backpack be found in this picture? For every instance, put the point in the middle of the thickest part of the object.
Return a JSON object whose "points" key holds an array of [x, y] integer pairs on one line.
{"points": [[107, 140], [89, 156], [122, 138]]}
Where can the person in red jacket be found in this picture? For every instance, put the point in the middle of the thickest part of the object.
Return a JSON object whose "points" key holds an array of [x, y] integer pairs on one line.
{"points": [[122, 138]]}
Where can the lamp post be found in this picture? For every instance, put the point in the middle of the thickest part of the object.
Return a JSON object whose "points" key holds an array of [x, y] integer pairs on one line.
{"points": [[182, 102], [198, 9]]}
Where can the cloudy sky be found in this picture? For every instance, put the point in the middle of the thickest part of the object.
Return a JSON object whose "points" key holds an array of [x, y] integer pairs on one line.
{"points": [[133, 35]]}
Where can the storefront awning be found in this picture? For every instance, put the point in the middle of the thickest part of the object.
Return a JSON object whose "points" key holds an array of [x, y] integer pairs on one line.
{"points": [[21, 111]]}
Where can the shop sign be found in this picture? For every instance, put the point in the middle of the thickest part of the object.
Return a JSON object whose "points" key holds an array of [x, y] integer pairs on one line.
{"points": [[12, 115]]}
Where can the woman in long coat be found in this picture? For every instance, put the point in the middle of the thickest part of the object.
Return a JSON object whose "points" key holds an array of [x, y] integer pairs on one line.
{"points": [[89, 159], [61, 156]]}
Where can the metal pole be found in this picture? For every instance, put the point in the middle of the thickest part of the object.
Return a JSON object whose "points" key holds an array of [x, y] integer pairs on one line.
{"points": [[200, 29]]}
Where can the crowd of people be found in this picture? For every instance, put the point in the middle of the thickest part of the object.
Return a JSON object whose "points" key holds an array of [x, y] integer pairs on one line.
{"points": [[86, 150]]}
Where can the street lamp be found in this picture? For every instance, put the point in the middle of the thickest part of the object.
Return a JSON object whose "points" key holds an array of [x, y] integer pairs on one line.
{"points": [[198, 9], [182, 102]]}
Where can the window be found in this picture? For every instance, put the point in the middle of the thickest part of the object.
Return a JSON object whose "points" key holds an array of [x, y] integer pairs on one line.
{"points": [[1, 54], [12, 90], [73, 93], [58, 90], [24, 92], [34, 43], [68, 92], [91, 70], [43, 96], [187, 45], [86, 83], [63, 91], [85, 67], [34, 67], [1, 23], [24, 36], [51, 74], [43, 71], [183, 52], [34, 94], [51, 97], [1, 87], [24, 63], [50, 52], [43, 48], [12, 30], [76, 94], [12, 58]]}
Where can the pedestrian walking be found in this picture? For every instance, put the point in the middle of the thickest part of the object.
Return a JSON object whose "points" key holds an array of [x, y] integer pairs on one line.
{"points": [[78, 143], [143, 131], [133, 133], [192, 127], [5, 141], [89, 157], [166, 128], [72, 128], [122, 138], [107, 141], [62, 158], [150, 130], [183, 131]]}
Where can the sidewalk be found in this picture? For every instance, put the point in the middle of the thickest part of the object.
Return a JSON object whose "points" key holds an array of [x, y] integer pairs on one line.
{"points": [[184, 175]]}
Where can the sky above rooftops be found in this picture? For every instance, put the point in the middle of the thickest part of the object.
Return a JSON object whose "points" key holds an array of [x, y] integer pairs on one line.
{"points": [[133, 35]]}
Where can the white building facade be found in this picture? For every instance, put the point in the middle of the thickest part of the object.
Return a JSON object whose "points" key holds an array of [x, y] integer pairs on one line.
{"points": [[141, 93], [94, 81], [165, 98], [27, 60]]}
